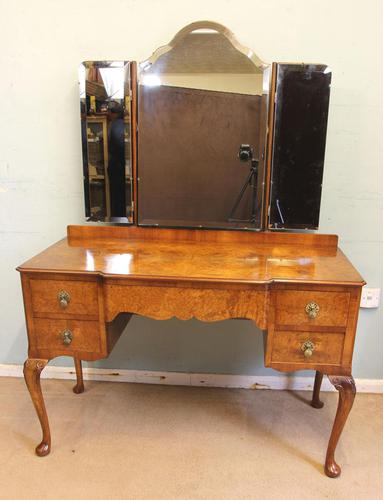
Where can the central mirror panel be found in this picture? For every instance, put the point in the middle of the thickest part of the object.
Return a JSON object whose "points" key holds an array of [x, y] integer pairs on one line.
{"points": [[202, 124]]}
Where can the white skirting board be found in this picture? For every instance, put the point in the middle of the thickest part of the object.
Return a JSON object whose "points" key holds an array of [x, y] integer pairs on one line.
{"points": [[278, 382]]}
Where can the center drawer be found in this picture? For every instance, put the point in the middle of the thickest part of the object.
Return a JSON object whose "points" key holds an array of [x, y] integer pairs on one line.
{"points": [[64, 297], [311, 308]]}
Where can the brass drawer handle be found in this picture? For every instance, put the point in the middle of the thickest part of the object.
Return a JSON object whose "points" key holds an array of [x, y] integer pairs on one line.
{"points": [[312, 310], [64, 298], [308, 348], [67, 337]]}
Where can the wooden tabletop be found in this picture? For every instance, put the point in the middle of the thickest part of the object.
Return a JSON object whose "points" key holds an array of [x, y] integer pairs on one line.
{"points": [[197, 255]]}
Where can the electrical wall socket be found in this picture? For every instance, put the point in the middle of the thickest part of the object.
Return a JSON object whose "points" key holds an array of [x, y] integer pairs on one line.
{"points": [[370, 297]]}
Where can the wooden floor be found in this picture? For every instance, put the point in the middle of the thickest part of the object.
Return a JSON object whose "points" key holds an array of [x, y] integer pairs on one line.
{"points": [[131, 441]]}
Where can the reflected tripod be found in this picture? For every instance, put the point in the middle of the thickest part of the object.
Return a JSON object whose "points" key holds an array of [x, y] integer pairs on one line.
{"points": [[251, 180]]}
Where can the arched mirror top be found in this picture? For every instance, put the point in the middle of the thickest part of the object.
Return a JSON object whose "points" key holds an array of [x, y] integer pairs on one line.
{"points": [[197, 53]]}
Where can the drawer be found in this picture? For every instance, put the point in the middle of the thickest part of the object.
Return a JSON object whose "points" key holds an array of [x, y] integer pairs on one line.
{"points": [[67, 335], [326, 348], [64, 297], [311, 308]]}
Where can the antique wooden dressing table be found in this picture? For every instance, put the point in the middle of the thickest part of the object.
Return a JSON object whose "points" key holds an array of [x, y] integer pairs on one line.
{"points": [[299, 288]]}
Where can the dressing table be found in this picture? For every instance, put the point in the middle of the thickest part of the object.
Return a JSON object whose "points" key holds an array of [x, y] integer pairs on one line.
{"points": [[201, 235]]}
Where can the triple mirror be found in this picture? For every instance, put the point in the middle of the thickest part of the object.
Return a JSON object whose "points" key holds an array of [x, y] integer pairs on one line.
{"points": [[204, 134]]}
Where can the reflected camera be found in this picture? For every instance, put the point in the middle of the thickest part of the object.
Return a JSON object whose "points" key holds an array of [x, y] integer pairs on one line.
{"points": [[245, 152]]}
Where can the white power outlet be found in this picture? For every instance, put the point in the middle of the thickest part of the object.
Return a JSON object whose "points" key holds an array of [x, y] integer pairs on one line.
{"points": [[370, 297]]}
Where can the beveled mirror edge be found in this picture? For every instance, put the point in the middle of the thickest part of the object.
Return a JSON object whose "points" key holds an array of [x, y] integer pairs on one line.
{"points": [[269, 146], [201, 25], [133, 132]]}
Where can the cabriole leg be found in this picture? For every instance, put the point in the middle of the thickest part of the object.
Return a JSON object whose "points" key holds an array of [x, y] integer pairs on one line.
{"points": [[316, 402], [345, 385], [32, 372], [79, 387]]}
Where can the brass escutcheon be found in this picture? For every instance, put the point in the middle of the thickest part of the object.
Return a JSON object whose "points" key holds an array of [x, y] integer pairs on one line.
{"points": [[312, 310], [67, 337], [308, 348], [64, 298]]}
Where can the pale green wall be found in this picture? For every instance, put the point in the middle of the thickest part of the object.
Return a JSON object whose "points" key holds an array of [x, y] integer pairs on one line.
{"points": [[42, 43]]}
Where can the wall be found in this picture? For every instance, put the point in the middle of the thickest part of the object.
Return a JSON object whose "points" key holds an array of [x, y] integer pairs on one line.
{"points": [[246, 83], [40, 155]]}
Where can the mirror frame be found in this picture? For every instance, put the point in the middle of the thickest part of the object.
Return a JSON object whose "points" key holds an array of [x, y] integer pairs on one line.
{"points": [[270, 132]]}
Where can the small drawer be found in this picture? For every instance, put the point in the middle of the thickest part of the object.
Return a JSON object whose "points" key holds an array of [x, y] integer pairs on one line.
{"points": [[307, 347], [67, 335], [311, 308], [63, 297]]}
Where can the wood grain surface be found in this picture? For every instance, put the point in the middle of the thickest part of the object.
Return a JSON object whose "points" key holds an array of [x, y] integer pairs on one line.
{"points": [[287, 348], [82, 297], [291, 308], [111, 273], [195, 256], [164, 302]]}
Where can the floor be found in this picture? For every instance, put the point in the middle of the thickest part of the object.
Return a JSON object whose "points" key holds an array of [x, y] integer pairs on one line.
{"points": [[135, 441]]}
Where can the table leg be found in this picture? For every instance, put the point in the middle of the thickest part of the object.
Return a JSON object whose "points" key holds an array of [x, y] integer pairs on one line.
{"points": [[79, 387], [32, 372], [345, 385], [316, 402]]}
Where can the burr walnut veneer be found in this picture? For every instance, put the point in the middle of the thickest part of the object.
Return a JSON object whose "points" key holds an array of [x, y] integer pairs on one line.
{"points": [[300, 289]]}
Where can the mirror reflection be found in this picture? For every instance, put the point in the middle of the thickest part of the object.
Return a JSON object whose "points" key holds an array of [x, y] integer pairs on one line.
{"points": [[299, 142], [202, 124], [106, 132]]}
